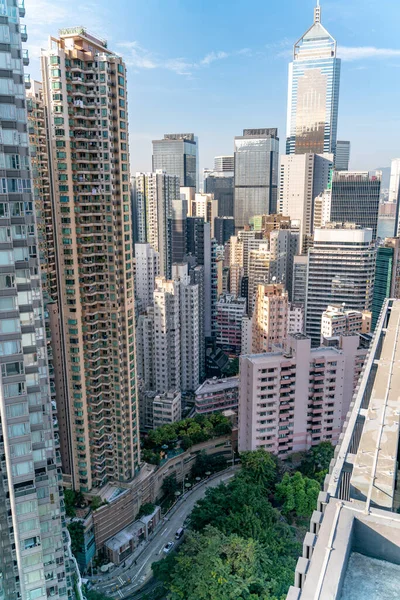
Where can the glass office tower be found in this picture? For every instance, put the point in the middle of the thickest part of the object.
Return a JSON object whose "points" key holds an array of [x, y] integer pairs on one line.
{"points": [[355, 198], [256, 174], [313, 95], [177, 154]]}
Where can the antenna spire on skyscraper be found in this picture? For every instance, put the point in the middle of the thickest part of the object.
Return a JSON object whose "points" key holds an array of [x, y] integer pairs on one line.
{"points": [[317, 13]]}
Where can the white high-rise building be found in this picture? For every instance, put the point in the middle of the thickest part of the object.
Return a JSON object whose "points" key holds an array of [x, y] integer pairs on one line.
{"points": [[154, 194], [394, 184], [224, 163], [204, 205], [302, 178], [341, 269], [147, 269], [189, 328], [167, 345]]}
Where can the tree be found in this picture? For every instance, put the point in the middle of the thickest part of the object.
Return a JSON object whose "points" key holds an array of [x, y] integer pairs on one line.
{"points": [[170, 485], [315, 463], [93, 595], [69, 500], [297, 494], [260, 467], [146, 509], [76, 531], [215, 566], [96, 502]]}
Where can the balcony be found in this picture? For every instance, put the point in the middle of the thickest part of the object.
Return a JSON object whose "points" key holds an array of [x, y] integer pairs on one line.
{"points": [[21, 8], [24, 33], [25, 57], [27, 79]]}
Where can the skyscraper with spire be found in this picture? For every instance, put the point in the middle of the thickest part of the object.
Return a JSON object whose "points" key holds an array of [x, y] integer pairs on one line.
{"points": [[313, 94]]}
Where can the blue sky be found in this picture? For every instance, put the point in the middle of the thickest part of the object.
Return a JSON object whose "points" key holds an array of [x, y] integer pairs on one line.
{"points": [[217, 67]]}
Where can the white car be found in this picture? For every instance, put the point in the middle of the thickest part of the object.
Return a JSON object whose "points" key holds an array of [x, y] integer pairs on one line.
{"points": [[168, 547]]}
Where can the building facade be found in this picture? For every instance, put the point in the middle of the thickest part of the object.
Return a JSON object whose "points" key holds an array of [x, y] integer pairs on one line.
{"points": [[355, 198], [228, 324], [356, 518], [34, 550], [155, 194], [177, 154], [256, 174], [302, 178], [337, 320], [313, 94], [341, 269], [84, 83], [147, 268], [270, 317], [223, 164], [217, 395], [221, 184], [178, 230], [224, 229], [294, 398], [342, 158]]}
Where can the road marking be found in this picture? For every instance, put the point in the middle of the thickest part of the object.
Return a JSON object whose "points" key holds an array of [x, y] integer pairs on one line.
{"points": [[164, 531], [121, 580], [120, 593], [141, 568]]}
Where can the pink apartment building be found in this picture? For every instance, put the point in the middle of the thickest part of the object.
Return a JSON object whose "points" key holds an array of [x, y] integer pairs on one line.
{"points": [[297, 397]]}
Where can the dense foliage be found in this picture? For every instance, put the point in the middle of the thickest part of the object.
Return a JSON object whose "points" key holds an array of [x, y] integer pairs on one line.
{"points": [[72, 499], [76, 532], [205, 463], [146, 510], [297, 495], [315, 463], [241, 545], [187, 432]]}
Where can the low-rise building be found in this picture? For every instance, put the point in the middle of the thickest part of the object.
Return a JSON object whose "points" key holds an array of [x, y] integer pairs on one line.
{"points": [[295, 318], [123, 544], [217, 395]]}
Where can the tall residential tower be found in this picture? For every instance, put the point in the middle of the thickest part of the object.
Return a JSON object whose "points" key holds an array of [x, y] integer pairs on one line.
{"points": [[85, 95], [34, 559]]}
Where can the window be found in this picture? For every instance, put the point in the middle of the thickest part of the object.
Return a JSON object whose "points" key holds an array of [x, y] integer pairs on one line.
{"points": [[9, 325], [14, 389], [21, 450], [18, 429], [7, 304], [10, 347], [12, 368], [54, 60], [22, 468]]}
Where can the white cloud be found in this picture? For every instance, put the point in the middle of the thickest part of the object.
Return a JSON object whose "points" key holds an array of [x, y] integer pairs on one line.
{"points": [[139, 57], [213, 56], [362, 52]]}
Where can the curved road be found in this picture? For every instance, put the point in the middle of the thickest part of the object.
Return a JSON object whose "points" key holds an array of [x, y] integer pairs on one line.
{"points": [[125, 582]]}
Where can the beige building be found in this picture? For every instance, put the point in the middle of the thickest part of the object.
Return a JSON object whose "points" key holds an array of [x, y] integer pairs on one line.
{"points": [[270, 317], [337, 320], [85, 95], [259, 272]]}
